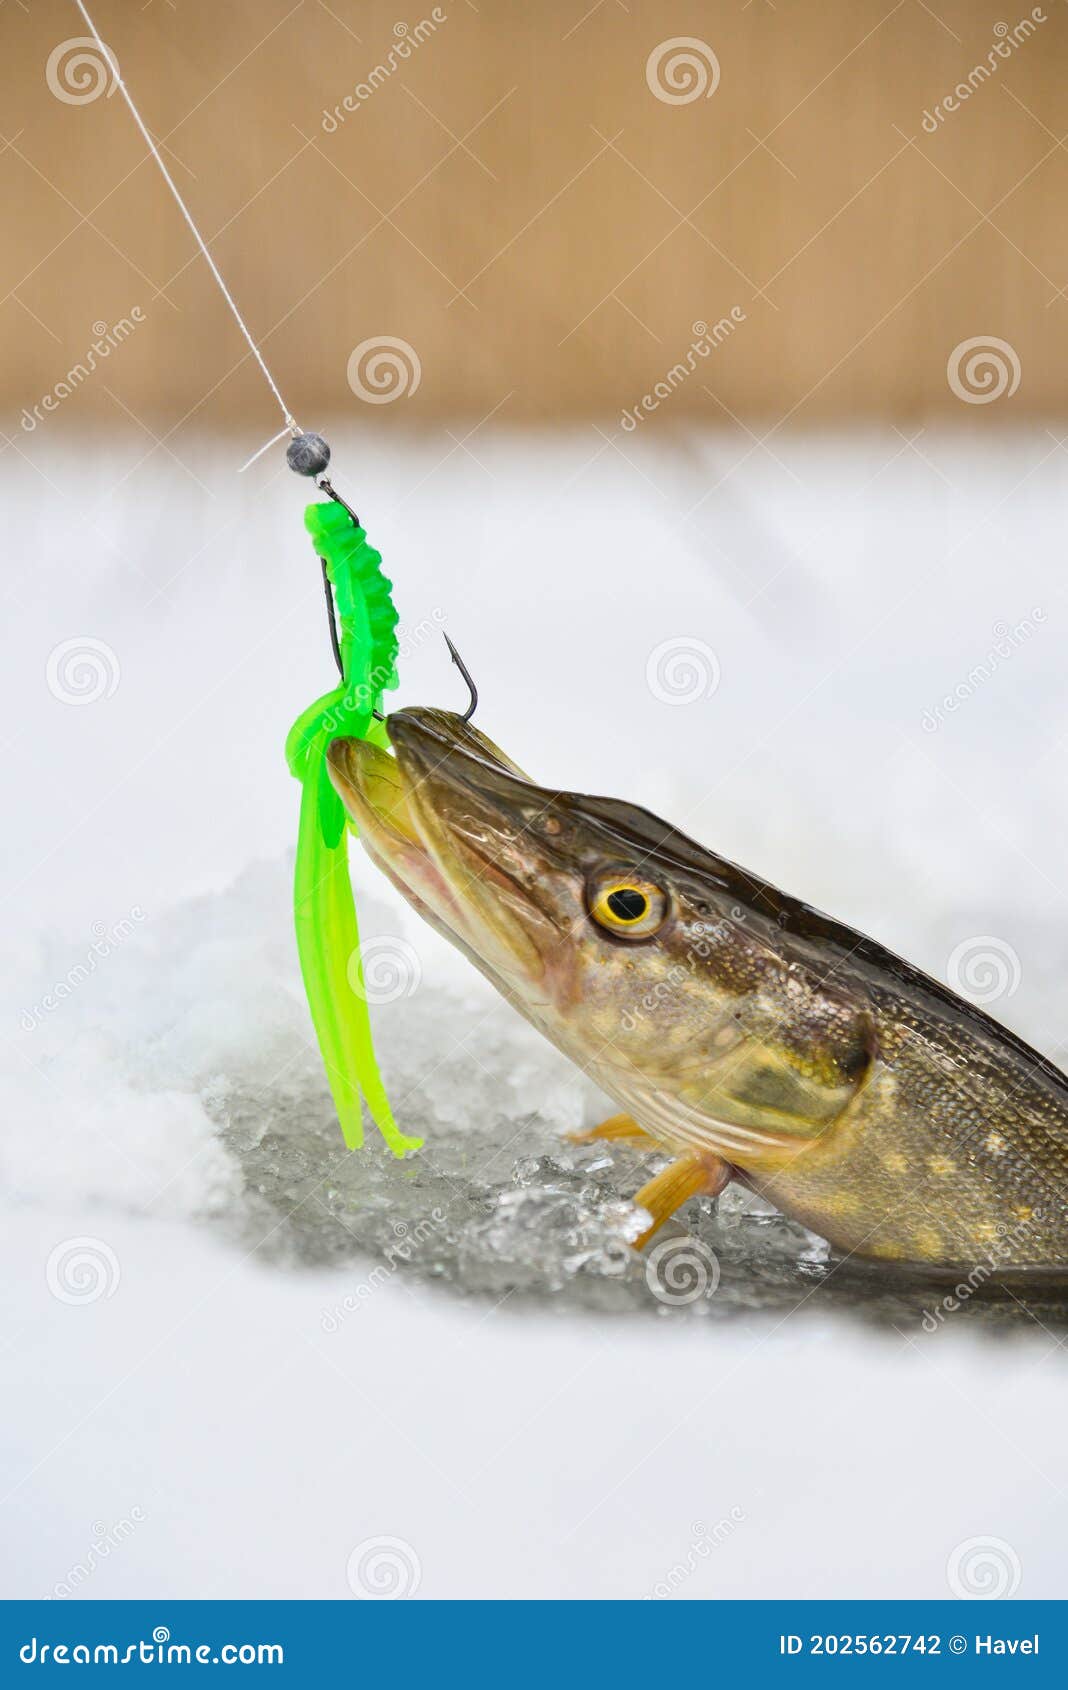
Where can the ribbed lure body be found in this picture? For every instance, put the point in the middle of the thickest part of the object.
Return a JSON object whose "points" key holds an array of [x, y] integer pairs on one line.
{"points": [[328, 939]]}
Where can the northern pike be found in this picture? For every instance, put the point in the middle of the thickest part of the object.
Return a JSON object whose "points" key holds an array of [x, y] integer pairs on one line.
{"points": [[738, 1030]]}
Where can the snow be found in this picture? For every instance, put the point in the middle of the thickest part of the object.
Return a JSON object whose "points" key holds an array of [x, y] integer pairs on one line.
{"points": [[237, 1354]]}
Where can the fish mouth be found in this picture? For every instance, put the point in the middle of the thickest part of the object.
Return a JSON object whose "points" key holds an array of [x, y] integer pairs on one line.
{"points": [[440, 815]]}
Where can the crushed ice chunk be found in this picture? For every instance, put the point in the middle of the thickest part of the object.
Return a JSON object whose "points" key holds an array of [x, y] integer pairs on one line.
{"points": [[209, 1103]]}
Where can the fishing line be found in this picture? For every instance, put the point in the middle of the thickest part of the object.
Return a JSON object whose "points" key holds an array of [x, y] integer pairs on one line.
{"points": [[291, 425], [362, 622]]}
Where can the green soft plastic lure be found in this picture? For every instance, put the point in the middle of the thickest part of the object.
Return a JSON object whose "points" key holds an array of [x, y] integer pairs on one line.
{"points": [[328, 938]]}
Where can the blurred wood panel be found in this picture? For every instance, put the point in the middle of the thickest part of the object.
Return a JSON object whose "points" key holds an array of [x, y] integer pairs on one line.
{"points": [[507, 196]]}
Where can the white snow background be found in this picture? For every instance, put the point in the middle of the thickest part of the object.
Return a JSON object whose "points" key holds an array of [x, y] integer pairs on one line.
{"points": [[236, 1386]]}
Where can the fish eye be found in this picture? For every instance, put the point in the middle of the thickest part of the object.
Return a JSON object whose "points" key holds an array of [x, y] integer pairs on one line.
{"points": [[631, 907]]}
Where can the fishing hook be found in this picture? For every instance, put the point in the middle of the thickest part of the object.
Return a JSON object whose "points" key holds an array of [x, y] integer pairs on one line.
{"points": [[466, 673], [325, 486], [331, 618]]}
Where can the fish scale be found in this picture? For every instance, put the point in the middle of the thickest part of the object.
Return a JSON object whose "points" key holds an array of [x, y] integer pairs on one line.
{"points": [[743, 1032]]}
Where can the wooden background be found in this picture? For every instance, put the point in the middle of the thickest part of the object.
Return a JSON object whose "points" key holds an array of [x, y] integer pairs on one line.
{"points": [[515, 203]]}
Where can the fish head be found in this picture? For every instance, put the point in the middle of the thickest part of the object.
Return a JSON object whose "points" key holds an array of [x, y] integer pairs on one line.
{"points": [[548, 892], [624, 942]]}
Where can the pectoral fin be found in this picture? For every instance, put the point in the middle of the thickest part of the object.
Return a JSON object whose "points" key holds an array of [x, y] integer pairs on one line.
{"points": [[617, 1128], [697, 1174]]}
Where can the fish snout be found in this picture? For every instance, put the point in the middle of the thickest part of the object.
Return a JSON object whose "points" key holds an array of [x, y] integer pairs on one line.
{"points": [[428, 741], [371, 786]]}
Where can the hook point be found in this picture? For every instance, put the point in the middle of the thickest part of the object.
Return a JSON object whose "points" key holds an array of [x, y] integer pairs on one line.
{"points": [[466, 673]]}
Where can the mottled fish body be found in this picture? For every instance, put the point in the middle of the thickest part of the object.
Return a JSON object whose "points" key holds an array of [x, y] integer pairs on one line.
{"points": [[728, 1020]]}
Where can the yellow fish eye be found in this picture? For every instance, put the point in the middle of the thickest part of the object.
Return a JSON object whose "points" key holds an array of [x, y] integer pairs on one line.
{"points": [[632, 908]]}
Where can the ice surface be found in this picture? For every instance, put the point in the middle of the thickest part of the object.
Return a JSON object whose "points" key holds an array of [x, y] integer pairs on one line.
{"points": [[286, 1311], [208, 1101], [181, 1080]]}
